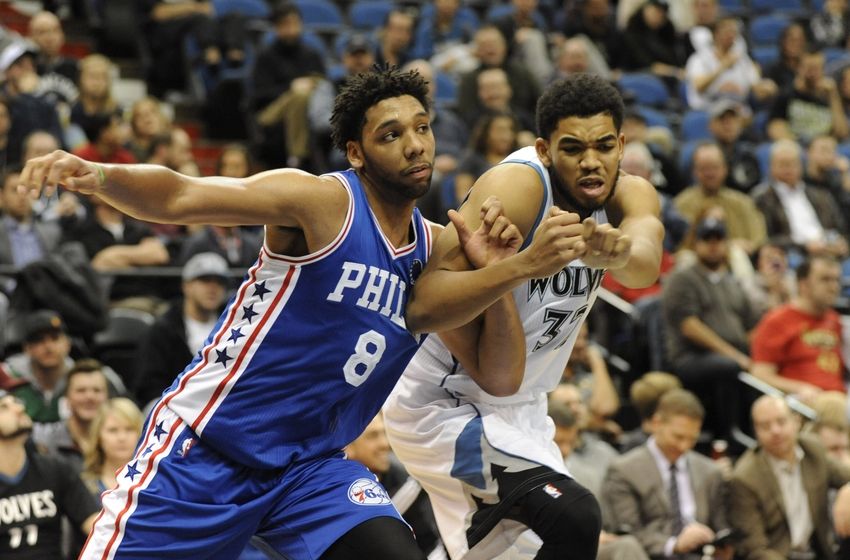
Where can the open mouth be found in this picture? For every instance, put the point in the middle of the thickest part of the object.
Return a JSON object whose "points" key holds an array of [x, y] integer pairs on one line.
{"points": [[591, 185]]}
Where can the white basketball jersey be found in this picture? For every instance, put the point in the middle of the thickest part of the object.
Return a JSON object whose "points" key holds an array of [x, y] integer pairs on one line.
{"points": [[551, 310]]}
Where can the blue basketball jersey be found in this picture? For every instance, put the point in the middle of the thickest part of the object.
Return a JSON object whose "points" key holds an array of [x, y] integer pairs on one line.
{"points": [[309, 347]]}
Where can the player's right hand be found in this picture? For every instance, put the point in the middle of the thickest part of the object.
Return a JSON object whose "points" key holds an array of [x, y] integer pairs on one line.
{"points": [[557, 242], [60, 169], [495, 239]]}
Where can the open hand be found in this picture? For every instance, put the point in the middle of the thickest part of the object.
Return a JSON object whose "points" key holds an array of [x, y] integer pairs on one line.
{"points": [[495, 239], [60, 168]]}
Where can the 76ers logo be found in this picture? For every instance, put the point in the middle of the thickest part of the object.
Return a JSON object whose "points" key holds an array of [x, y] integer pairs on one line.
{"points": [[367, 492]]}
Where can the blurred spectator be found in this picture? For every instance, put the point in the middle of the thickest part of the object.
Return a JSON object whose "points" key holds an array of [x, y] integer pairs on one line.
{"points": [[95, 92], [778, 491], [372, 449], [818, 226], [644, 395], [285, 75], [665, 172], [796, 347], [589, 474], [576, 55], [810, 106], [726, 125], [38, 143], [590, 453], [395, 38], [179, 334], [23, 239], [681, 13], [831, 426], [495, 95], [444, 35], [701, 34], [744, 222], [792, 46], [829, 27], [724, 71], [169, 22], [111, 441], [651, 43], [173, 149], [113, 240], [828, 170], [737, 259], [843, 79], [707, 320], [86, 390], [38, 491], [18, 88], [588, 371], [525, 30], [5, 127], [493, 138], [491, 51], [773, 283], [670, 496], [594, 19], [147, 120], [59, 75], [107, 134]]}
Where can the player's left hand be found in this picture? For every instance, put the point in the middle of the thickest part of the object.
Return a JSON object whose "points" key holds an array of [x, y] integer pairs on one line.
{"points": [[607, 246], [495, 239]]}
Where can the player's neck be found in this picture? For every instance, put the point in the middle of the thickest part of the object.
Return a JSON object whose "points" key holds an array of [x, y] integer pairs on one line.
{"points": [[12, 457], [393, 216]]}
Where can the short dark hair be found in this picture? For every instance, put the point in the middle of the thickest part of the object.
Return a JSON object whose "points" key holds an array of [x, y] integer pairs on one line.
{"points": [[283, 10], [363, 91], [578, 95], [680, 402], [805, 267], [95, 124], [85, 365]]}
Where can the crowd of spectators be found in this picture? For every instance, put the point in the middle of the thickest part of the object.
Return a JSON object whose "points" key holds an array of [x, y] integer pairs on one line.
{"points": [[746, 140]]}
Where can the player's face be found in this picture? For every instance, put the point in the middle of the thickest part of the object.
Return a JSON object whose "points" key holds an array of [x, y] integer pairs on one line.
{"points": [[396, 153], [583, 156], [13, 418], [675, 435], [86, 394], [118, 438]]}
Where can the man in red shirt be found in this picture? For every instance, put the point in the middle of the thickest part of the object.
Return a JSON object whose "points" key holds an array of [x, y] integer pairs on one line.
{"points": [[107, 134], [796, 347]]}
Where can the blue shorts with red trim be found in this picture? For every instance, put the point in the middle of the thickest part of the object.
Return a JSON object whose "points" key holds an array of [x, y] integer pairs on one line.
{"points": [[179, 498]]}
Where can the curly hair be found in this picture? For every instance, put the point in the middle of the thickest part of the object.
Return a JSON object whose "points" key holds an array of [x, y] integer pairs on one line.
{"points": [[579, 95], [363, 91]]}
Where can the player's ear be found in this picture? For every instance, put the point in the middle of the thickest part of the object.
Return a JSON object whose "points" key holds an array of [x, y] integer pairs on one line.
{"points": [[354, 154], [541, 146], [621, 143]]}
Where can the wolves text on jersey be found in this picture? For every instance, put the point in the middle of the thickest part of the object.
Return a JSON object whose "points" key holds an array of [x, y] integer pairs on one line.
{"points": [[23, 507], [377, 290], [571, 281]]}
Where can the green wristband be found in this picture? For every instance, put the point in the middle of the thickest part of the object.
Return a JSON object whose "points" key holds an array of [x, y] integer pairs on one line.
{"points": [[101, 175]]}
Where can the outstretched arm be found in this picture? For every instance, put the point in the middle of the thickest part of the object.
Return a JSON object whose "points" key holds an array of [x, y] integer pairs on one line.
{"points": [[286, 197], [449, 294]]}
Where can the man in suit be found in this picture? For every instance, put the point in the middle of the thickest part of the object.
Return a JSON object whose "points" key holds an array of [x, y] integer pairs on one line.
{"points": [[778, 491], [22, 238], [671, 497]]}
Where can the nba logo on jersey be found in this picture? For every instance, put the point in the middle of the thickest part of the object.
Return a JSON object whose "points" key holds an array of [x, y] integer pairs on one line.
{"points": [[186, 446], [367, 492]]}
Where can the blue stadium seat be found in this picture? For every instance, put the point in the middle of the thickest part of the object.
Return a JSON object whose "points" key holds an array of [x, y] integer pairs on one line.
{"points": [[369, 14], [249, 8], [465, 15], [765, 30], [646, 88], [793, 7], [734, 7], [844, 149], [497, 11], [320, 15], [446, 89], [654, 117], [686, 155], [341, 40], [835, 54], [763, 157], [765, 55], [695, 126]]}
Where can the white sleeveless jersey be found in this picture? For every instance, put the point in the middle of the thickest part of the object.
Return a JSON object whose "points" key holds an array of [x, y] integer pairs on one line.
{"points": [[551, 310]]}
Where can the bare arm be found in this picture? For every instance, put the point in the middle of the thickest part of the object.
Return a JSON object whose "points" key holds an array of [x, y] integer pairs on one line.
{"points": [[604, 400], [286, 197], [164, 11], [636, 207], [767, 372], [149, 252], [448, 295]]}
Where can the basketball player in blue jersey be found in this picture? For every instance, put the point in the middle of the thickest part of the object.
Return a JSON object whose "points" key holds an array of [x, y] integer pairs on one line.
{"points": [[247, 440], [491, 467]]}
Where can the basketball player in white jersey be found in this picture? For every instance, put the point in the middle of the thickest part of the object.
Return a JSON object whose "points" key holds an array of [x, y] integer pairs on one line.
{"points": [[481, 442]]}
